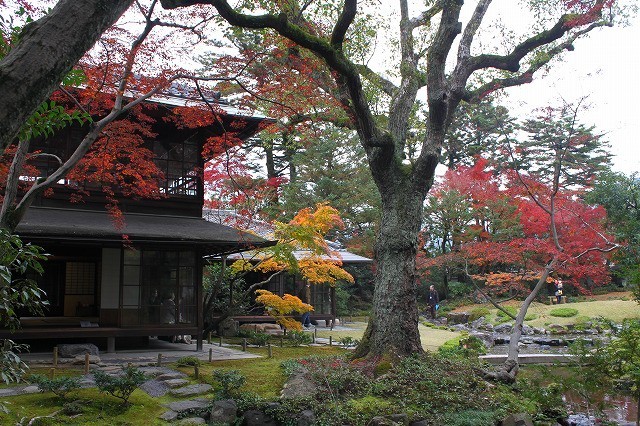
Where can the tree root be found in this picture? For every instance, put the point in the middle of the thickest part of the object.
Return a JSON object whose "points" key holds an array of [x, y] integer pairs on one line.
{"points": [[506, 373]]}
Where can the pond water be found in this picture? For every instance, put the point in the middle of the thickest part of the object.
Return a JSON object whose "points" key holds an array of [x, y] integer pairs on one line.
{"points": [[621, 409]]}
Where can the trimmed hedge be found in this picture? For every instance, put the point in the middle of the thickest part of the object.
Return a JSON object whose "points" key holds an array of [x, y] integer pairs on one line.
{"points": [[563, 312]]}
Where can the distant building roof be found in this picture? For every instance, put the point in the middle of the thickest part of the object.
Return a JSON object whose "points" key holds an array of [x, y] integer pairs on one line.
{"points": [[265, 229], [45, 223]]}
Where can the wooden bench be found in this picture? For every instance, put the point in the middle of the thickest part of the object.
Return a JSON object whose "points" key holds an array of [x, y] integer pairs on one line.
{"points": [[554, 299]]}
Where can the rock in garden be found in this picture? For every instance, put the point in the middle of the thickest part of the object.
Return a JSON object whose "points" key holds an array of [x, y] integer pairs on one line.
{"points": [[527, 330], [228, 328], [383, 421], [306, 418], [486, 338], [503, 328], [154, 388], [402, 418], [419, 423], [557, 328], [72, 350], [257, 418], [191, 406], [172, 375], [297, 385], [477, 323], [519, 419], [224, 412], [31, 389], [192, 390], [460, 327], [176, 383], [457, 317], [169, 416], [80, 359]]}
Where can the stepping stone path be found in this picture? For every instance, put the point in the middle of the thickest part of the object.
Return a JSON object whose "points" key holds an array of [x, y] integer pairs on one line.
{"points": [[183, 408], [192, 390]]}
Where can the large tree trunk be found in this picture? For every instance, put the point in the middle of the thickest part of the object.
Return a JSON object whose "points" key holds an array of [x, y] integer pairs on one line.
{"points": [[48, 49], [393, 325]]}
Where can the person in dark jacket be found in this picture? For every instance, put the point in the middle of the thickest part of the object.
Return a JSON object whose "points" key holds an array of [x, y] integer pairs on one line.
{"points": [[433, 301], [305, 296]]}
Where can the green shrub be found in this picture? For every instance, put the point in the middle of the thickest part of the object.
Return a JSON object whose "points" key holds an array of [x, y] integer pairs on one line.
{"points": [[73, 408], [362, 410], [229, 380], [120, 386], [511, 309], [349, 341], [458, 289], [60, 386], [297, 338], [259, 339], [188, 361], [478, 313], [563, 312], [470, 418], [530, 316], [463, 345], [290, 366]]}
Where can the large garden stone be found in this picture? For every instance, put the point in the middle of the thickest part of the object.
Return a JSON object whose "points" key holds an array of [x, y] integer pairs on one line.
{"points": [[384, 421], [72, 350], [224, 412], [154, 388], [31, 389], [80, 359], [503, 328], [192, 390], [457, 318], [527, 330], [176, 383], [171, 375], [557, 328], [192, 406], [257, 418], [306, 418], [486, 338], [228, 328], [169, 416], [519, 419], [297, 385]]}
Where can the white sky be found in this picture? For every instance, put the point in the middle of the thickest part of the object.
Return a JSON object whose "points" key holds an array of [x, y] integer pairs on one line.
{"points": [[605, 68]]}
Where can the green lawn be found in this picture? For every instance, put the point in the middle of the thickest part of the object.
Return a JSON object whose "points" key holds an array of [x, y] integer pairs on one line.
{"points": [[613, 309], [431, 338]]}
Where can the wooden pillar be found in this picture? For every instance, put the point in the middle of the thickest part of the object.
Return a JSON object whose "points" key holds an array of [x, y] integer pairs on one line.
{"points": [[332, 292], [199, 300]]}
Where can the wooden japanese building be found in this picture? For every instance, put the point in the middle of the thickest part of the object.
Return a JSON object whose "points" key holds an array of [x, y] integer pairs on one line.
{"points": [[144, 279]]}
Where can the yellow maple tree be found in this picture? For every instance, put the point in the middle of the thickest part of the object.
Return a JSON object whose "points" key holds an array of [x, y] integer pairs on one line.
{"points": [[280, 307]]}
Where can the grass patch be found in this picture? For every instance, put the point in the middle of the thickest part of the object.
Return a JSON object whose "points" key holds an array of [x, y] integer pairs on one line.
{"points": [[615, 310], [563, 312], [264, 375], [98, 409], [431, 337]]}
